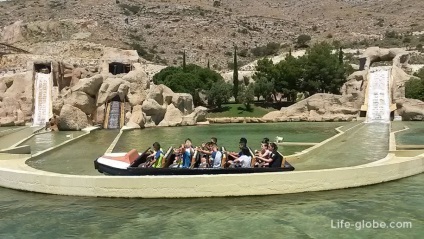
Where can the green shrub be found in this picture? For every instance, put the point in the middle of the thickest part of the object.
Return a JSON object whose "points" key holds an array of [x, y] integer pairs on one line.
{"points": [[414, 89]]}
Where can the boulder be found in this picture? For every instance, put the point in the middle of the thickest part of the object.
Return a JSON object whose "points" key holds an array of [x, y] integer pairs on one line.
{"points": [[198, 115], [57, 106], [139, 84], [173, 117], [399, 56], [184, 102], [89, 86], [100, 115], [156, 93], [123, 91], [7, 121], [72, 118], [109, 89], [154, 110], [311, 108], [410, 109], [138, 118], [82, 101], [273, 115]]}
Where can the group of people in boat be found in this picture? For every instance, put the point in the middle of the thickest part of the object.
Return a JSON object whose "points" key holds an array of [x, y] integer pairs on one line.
{"points": [[209, 155]]}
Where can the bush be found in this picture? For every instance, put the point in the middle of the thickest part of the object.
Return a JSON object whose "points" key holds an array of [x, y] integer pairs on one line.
{"points": [[187, 80], [390, 34], [130, 8], [303, 40], [414, 89], [219, 93], [270, 49]]}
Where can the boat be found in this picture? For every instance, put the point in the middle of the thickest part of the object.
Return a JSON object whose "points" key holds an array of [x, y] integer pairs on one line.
{"points": [[127, 164]]}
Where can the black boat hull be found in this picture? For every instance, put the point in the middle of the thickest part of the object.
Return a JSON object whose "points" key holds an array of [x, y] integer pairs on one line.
{"points": [[135, 171]]}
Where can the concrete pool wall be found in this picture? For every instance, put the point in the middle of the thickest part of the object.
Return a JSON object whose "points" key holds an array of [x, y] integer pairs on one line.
{"points": [[15, 174]]}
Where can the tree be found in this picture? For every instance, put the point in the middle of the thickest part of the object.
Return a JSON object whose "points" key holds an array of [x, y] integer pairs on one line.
{"points": [[263, 87], [235, 75], [208, 65], [246, 95], [184, 60], [290, 72], [302, 40], [187, 80], [414, 89], [341, 55], [219, 93], [322, 70]]}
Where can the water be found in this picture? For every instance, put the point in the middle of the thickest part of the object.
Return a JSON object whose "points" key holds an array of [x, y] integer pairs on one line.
{"points": [[114, 115], [77, 157], [413, 136], [360, 145], [42, 88], [11, 139], [45, 140], [306, 215], [229, 135], [378, 96]]}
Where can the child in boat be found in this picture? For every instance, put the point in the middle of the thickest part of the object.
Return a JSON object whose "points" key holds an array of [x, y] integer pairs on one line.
{"points": [[274, 160], [243, 161], [156, 162], [216, 157], [205, 153]]}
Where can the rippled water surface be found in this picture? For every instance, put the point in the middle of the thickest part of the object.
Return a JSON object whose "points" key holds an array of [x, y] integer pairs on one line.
{"points": [[361, 144], [228, 135], [413, 136], [306, 215], [78, 156]]}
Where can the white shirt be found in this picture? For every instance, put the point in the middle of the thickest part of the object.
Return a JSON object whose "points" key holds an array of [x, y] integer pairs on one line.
{"points": [[245, 161]]}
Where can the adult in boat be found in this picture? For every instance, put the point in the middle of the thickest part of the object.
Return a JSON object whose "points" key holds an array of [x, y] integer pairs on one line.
{"points": [[244, 160], [156, 157], [275, 159], [242, 144], [214, 140], [187, 151], [216, 157]]}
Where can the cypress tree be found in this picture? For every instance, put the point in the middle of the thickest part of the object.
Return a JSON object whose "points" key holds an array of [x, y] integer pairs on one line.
{"points": [[235, 75], [341, 55], [290, 52], [184, 60], [209, 66]]}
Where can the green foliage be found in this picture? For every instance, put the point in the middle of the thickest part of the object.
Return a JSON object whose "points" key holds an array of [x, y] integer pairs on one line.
{"points": [[268, 50], [263, 87], [414, 89], [184, 60], [302, 40], [420, 73], [320, 70], [246, 95], [323, 71], [187, 80], [219, 93]]}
